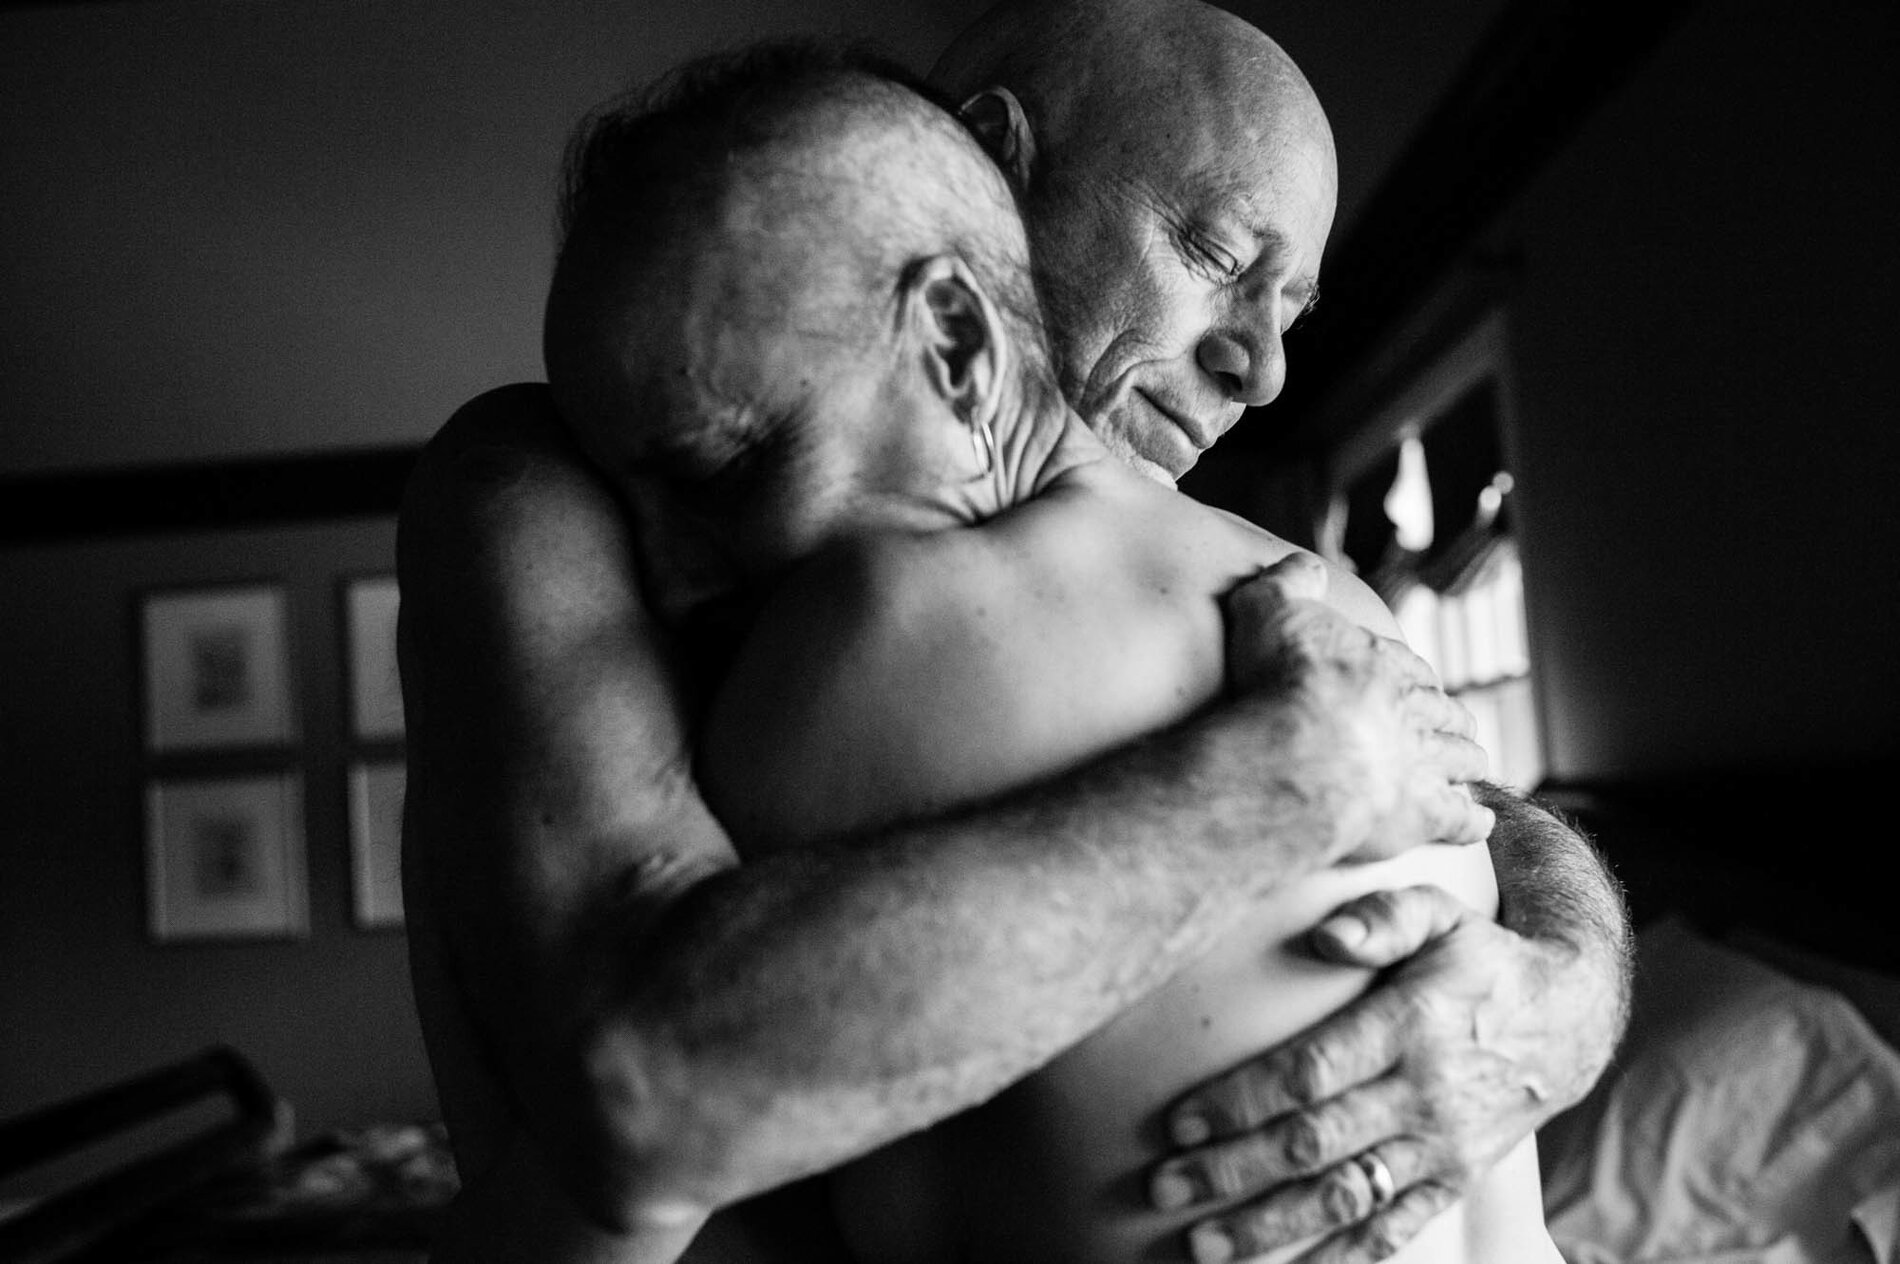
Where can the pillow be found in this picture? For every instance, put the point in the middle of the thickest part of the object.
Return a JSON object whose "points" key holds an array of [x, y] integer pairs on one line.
{"points": [[1875, 995], [1748, 1119]]}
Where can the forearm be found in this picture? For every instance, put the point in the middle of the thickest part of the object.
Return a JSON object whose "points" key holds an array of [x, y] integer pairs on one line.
{"points": [[1556, 890], [804, 1007]]}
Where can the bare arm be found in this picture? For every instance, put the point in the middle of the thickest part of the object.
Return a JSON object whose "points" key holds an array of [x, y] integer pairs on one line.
{"points": [[1557, 893], [684, 1031], [1478, 1035], [1558, 896]]}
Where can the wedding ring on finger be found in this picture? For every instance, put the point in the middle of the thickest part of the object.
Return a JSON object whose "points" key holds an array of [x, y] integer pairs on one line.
{"points": [[1379, 1176]]}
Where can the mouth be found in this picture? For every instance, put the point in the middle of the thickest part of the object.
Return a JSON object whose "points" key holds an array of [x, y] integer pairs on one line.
{"points": [[1200, 435]]}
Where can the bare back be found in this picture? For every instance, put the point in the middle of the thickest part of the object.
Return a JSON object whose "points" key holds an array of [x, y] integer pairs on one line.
{"points": [[917, 674]]}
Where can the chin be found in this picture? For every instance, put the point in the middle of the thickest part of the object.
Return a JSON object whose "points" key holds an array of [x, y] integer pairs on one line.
{"points": [[1149, 469], [1141, 464]]}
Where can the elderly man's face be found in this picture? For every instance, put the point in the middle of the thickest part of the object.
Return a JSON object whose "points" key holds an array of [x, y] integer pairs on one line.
{"points": [[1174, 263]]}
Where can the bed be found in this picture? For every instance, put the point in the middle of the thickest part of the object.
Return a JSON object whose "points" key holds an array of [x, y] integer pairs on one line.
{"points": [[1752, 1115]]}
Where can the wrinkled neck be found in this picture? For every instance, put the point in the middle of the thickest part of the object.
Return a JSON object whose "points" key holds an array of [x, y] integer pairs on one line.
{"points": [[1045, 439]]}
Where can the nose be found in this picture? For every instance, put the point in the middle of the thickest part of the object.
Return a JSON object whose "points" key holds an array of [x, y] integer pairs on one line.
{"points": [[1249, 362]]}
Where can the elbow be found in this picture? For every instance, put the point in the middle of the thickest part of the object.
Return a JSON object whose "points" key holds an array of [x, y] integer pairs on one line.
{"points": [[633, 1160], [650, 1142]]}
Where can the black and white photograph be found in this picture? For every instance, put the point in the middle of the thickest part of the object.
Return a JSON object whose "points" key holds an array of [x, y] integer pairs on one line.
{"points": [[949, 631]]}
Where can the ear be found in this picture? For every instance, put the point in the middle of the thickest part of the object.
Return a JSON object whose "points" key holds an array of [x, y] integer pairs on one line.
{"points": [[997, 119], [959, 335]]}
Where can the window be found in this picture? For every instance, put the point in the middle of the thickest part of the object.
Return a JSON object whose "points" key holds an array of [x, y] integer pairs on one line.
{"points": [[1422, 510], [1475, 636]]}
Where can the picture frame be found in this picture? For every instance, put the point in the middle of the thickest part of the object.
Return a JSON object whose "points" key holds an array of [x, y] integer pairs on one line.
{"points": [[225, 857], [217, 668], [376, 792], [370, 605]]}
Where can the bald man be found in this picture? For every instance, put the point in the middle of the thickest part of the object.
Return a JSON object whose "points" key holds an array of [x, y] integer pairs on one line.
{"points": [[565, 876]]}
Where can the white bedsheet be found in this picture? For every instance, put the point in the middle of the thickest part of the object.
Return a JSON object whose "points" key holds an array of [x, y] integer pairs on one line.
{"points": [[1750, 1119]]}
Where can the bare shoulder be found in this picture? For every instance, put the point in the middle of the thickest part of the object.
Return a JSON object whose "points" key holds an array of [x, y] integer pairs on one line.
{"points": [[515, 560], [917, 672], [1345, 591], [1353, 597], [503, 474], [536, 681], [827, 718]]}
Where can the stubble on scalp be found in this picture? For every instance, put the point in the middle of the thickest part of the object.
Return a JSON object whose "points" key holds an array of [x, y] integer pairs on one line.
{"points": [[819, 189]]}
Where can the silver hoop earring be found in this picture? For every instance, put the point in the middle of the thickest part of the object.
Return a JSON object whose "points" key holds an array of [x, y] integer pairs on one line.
{"points": [[983, 440]]}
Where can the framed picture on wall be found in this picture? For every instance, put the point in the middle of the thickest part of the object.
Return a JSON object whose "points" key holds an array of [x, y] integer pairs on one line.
{"points": [[376, 788], [225, 857], [375, 687], [217, 668]]}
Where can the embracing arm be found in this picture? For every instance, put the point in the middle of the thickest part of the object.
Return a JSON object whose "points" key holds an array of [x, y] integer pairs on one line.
{"points": [[1477, 1035], [683, 1031], [1556, 893], [1478, 1032]]}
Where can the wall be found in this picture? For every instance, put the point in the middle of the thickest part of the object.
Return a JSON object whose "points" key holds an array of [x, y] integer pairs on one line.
{"points": [[88, 996], [1708, 391], [260, 227]]}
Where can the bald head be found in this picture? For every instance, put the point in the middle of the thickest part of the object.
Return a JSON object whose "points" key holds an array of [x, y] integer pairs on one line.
{"points": [[1129, 70], [1136, 124], [736, 237]]}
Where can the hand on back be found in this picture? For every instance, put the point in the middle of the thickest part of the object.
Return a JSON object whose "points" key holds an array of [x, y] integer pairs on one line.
{"points": [[1394, 753]]}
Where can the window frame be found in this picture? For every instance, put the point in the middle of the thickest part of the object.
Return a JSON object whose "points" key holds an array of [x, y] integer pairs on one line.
{"points": [[1410, 403]]}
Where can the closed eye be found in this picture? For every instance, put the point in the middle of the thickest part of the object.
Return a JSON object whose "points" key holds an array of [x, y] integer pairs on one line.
{"points": [[1209, 256]]}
